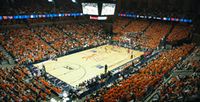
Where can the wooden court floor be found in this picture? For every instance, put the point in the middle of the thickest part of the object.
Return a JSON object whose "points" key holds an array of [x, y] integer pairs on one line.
{"points": [[79, 67]]}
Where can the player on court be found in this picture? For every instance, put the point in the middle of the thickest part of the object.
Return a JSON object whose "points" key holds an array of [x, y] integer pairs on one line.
{"points": [[106, 49], [128, 51]]}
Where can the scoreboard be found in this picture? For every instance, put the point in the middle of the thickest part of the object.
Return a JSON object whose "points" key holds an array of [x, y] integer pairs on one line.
{"points": [[99, 10], [108, 9], [93, 9], [90, 8]]}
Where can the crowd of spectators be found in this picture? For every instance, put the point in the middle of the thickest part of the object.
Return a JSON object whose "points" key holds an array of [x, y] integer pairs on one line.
{"points": [[3, 57], [45, 42], [93, 83], [34, 44], [154, 34], [66, 37], [35, 22], [85, 34], [54, 37], [179, 32], [183, 87], [138, 85], [18, 84], [150, 37], [98, 83], [137, 26], [135, 86], [25, 46], [167, 60], [192, 62], [11, 22], [132, 27], [120, 24], [180, 88]]}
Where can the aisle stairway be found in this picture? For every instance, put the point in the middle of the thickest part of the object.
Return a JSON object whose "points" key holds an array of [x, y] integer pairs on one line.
{"points": [[145, 29], [164, 40], [43, 40]]}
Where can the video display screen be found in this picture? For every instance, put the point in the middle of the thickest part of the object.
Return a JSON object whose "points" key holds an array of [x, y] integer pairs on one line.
{"points": [[90, 8], [108, 9]]}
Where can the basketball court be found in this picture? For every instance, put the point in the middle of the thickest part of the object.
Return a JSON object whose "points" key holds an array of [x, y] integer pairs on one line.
{"points": [[79, 67]]}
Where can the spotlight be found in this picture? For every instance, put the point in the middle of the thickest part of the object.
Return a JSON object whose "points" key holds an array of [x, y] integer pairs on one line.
{"points": [[50, 0], [74, 1]]}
